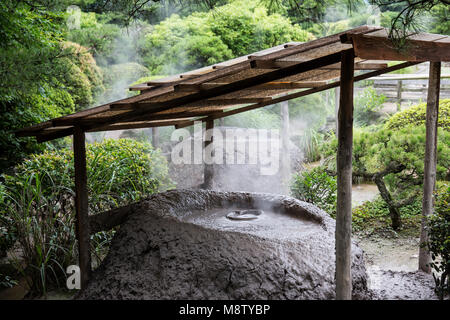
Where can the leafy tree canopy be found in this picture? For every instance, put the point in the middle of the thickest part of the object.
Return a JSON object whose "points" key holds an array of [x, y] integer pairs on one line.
{"points": [[179, 44]]}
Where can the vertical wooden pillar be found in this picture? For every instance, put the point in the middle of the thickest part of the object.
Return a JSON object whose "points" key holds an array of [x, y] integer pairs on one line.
{"points": [[429, 179], [155, 137], [209, 168], [285, 155], [344, 179], [81, 206]]}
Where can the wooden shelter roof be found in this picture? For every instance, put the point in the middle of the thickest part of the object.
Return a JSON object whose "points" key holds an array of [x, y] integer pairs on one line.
{"points": [[263, 78]]}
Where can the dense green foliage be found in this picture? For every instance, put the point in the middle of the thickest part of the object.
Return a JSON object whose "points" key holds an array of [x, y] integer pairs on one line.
{"points": [[438, 244], [38, 201], [373, 217], [316, 186], [416, 115], [42, 75], [241, 27]]}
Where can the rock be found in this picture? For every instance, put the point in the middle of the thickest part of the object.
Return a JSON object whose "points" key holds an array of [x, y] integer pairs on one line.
{"points": [[180, 245]]}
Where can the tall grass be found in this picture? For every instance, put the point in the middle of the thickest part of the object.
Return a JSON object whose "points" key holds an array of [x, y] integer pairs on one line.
{"points": [[45, 232], [39, 203], [310, 143]]}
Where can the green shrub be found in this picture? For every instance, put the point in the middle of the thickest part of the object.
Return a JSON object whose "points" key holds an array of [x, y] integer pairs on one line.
{"points": [[416, 115], [7, 231], [98, 37], [439, 240], [316, 186], [84, 81], [24, 111], [372, 215], [39, 201]]}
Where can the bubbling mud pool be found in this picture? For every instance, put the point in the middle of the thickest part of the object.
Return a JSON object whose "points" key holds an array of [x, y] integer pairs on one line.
{"points": [[267, 224]]}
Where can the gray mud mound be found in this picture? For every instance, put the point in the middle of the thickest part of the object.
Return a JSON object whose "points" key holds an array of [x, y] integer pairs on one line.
{"points": [[180, 245]]}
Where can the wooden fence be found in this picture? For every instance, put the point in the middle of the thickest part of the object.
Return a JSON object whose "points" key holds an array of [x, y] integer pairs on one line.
{"points": [[408, 89]]}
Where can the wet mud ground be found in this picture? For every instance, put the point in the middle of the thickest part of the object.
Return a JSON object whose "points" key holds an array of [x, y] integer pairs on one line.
{"points": [[391, 264]]}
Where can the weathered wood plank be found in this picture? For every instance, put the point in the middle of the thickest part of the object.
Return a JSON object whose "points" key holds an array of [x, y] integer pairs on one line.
{"points": [[185, 87], [211, 102], [429, 178], [344, 180], [377, 48], [277, 64]]}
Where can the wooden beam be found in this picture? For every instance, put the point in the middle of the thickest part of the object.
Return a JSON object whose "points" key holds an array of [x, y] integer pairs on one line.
{"points": [[210, 102], [344, 180], [139, 125], [81, 206], [186, 87], [382, 48], [429, 178], [277, 64], [314, 44]]}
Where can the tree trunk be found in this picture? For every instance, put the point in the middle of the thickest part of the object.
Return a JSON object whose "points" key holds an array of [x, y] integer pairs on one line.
{"points": [[394, 211]]}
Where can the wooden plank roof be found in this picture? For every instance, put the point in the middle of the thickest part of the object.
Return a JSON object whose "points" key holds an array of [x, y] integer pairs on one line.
{"points": [[262, 78]]}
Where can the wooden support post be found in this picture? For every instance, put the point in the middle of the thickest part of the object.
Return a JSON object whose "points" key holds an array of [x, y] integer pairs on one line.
{"points": [[209, 168], [344, 179], [429, 178], [285, 155], [155, 137], [81, 206]]}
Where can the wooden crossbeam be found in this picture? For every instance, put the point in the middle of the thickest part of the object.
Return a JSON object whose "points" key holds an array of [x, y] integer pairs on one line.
{"points": [[139, 125], [277, 64], [205, 103], [186, 87], [379, 48]]}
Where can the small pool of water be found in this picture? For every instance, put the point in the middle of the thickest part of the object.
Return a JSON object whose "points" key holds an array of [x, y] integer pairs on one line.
{"points": [[363, 192]]}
